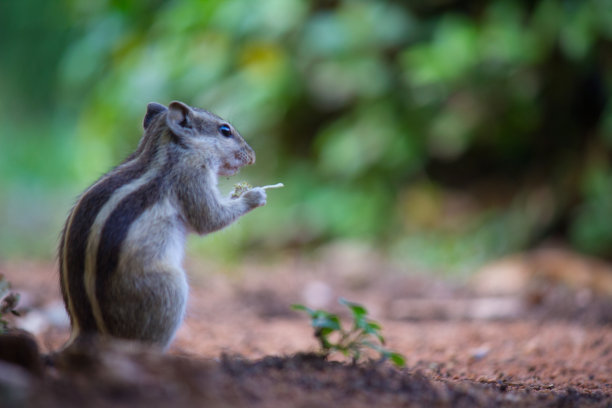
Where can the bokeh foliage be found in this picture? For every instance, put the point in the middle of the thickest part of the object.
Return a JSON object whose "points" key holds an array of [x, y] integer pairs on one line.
{"points": [[444, 132]]}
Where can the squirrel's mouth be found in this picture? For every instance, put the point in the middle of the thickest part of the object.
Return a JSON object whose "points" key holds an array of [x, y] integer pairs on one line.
{"points": [[231, 166], [227, 170]]}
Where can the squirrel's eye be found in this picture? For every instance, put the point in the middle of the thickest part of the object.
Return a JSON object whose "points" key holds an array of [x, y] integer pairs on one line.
{"points": [[225, 130]]}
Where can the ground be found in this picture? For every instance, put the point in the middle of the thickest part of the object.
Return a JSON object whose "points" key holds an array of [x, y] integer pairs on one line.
{"points": [[530, 330]]}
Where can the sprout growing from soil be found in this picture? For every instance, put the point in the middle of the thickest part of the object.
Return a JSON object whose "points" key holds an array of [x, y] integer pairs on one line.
{"points": [[8, 303], [365, 333]]}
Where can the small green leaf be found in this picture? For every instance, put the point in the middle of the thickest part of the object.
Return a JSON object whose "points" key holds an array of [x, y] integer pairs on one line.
{"points": [[364, 325], [322, 331], [374, 326], [302, 308], [370, 327], [397, 359], [326, 320], [357, 309]]}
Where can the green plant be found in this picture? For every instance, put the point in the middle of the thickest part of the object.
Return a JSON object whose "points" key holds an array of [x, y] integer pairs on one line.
{"points": [[364, 334], [8, 303]]}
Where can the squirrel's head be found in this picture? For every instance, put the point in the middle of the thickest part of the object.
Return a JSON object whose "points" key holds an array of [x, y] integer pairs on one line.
{"points": [[209, 137]]}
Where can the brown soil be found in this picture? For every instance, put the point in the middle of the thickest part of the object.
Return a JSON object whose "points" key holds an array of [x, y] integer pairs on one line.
{"points": [[541, 343]]}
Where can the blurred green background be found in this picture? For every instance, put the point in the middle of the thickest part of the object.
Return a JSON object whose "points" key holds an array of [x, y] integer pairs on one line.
{"points": [[443, 133]]}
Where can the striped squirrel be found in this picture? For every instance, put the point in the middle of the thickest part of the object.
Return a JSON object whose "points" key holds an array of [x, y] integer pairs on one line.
{"points": [[122, 246]]}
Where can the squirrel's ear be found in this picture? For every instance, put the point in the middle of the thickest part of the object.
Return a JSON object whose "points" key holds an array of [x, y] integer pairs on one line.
{"points": [[153, 109], [179, 118]]}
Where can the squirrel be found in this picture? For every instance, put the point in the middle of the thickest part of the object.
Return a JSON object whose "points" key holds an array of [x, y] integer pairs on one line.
{"points": [[122, 246]]}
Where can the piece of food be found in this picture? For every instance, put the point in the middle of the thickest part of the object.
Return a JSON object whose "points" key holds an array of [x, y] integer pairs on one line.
{"points": [[240, 188]]}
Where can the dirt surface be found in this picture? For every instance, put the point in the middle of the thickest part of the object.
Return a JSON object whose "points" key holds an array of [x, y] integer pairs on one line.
{"points": [[523, 332]]}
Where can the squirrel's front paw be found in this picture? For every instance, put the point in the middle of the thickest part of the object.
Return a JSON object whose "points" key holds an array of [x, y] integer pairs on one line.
{"points": [[255, 197]]}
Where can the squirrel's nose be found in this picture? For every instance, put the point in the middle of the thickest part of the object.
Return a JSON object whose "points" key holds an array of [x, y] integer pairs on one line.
{"points": [[250, 154]]}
